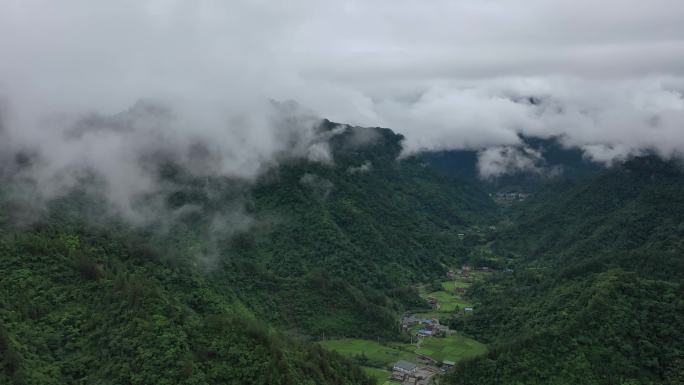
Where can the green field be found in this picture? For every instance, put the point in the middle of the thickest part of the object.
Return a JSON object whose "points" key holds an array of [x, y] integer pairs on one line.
{"points": [[380, 375], [448, 302], [453, 348], [379, 356], [450, 285]]}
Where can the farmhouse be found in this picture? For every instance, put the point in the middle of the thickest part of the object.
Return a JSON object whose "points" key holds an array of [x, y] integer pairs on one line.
{"points": [[440, 330], [405, 367], [408, 321], [408, 373]]}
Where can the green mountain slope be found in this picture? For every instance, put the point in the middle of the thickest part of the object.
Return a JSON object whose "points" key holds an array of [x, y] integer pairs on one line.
{"points": [[598, 296], [630, 217], [555, 163], [229, 284], [335, 246], [102, 308]]}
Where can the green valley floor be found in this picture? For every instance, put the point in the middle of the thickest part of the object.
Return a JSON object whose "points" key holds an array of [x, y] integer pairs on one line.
{"points": [[377, 357]]}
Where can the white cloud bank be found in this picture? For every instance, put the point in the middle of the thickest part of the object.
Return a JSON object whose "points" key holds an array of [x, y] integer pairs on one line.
{"points": [[607, 77]]}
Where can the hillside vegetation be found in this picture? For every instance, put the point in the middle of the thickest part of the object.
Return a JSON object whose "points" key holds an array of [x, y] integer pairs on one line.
{"points": [[598, 296], [99, 308], [233, 278], [346, 244], [231, 281]]}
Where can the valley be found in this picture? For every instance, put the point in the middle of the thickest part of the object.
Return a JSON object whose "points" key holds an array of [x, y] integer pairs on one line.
{"points": [[434, 354], [312, 192], [315, 274]]}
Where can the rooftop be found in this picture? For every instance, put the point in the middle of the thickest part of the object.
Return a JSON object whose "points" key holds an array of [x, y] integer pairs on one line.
{"points": [[405, 365]]}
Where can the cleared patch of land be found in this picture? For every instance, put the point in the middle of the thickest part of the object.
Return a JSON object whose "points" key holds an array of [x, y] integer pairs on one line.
{"points": [[377, 355], [381, 375], [450, 285], [449, 300], [448, 303], [453, 348]]}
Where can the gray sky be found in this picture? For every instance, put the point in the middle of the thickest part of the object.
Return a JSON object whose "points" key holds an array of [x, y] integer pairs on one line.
{"points": [[608, 75]]}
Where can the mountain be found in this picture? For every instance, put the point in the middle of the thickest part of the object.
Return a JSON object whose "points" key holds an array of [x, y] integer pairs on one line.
{"points": [[550, 161], [597, 296], [336, 246], [232, 278], [233, 281], [101, 307], [631, 217]]}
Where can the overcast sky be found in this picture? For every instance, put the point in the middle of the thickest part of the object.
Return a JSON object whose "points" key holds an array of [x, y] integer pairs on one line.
{"points": [[607, 76]]}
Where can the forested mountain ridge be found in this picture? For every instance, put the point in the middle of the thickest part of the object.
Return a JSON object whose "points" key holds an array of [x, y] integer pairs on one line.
{"points": [[90, 307], [598, 295], [234, 278], [336, 246], [311, 248], [634, 210], [549, 161]]}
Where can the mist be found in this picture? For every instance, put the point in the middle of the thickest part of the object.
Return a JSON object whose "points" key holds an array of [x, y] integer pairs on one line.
{"points": [[232, 89]]}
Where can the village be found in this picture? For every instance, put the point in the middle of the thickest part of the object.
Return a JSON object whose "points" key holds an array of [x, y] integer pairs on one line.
{"points": [[416, 325], [502, 197], [406, 372], [433, 347]]}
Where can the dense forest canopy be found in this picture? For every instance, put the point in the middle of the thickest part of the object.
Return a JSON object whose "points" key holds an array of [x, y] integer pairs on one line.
{"points": [[598, 293], [234, 280], [179, 206], [309, 249]]}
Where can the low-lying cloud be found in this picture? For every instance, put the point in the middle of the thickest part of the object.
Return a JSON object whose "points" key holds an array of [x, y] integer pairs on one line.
{"points": [[122, 153], [496, 161], [110, 87]]}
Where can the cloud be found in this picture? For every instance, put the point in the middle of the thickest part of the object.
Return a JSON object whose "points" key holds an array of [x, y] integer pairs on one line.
{"points": [[320, 187], [124, 151], [608, 119], [222, 226], [110, 87], [609, 154], [496, 161], [363, 168], [361, 136]]}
